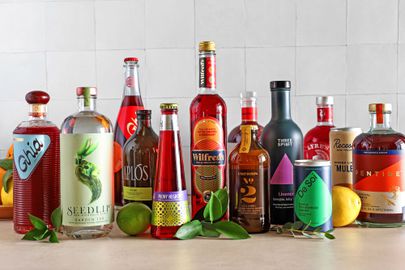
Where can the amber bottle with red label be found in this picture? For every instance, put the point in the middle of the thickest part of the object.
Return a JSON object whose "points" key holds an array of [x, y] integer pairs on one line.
{"points": [[126, 121], [208, 132], [378, 169]]}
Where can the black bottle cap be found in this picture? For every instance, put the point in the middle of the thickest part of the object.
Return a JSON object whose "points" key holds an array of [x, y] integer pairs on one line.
{"points": [[280, 84], [144, 114]]}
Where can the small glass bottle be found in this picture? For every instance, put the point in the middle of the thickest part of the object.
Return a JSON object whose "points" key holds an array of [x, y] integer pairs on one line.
{"points": [[36, 165], [249, 165], [316, 141], [170, 205], [126, 121], [140, 155], [378, 169], [87, 171], [249, 115]]}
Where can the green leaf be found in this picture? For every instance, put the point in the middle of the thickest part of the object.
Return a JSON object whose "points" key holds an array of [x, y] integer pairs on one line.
{"points": [[297, 225], [231, 230], [288, 225], [329, 236], [7, 176], [38, 223], [56, 218], [200, 214], [54, 237], [6, 164], [189, 230], [91, 149], [213, 210], [83, 147], [31, 235], [43, 236], [223, 197], [330, 231], [317, 229], [208, 230]]}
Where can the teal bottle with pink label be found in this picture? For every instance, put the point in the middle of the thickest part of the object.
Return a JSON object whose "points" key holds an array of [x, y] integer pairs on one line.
{"points": [[283, 139]]}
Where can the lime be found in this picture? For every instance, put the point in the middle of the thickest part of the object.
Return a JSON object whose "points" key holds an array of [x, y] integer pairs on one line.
{"points": [[134, 218]]}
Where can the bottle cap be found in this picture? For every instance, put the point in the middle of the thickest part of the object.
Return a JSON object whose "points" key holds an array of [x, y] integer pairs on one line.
{"points": [[143, 112], [131, 59], [86, 90], [274, 85], [386, 107], [324, 100], [37, 97], [207, 46], [168, 106], [248, 95]]}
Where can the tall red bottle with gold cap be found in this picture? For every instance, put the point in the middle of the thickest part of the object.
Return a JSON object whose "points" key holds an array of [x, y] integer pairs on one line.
{"points": [[126, 121]]}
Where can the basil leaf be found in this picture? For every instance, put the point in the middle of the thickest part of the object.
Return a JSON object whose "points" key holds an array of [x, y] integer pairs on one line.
{"points": [[208, 230], [222, 195], [189, 230], [31, 235], [38, 223], [231, 230], [7, 176], [214, 208], [54, 237], [329, 236], [6, 164], [43, 236], [297, 225], [56, 218]]}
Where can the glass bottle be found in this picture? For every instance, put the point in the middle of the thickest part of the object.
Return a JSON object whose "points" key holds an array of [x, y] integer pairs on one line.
{"points": [[140, 155], [378, 169], [36, 165], [249, 165], [126, 121], [87, 171], [282, 139], [207, 132], [170, 204], [249, 115], [316, 141]]}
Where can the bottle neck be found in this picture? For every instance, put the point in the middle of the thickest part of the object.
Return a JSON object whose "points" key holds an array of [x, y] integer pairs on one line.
{"points": [[143, 124], [325, 115], [280, 105], [37, 112], [86, 104], [207, 73], [169, 121], [249, 112], [131, 85], [380, 122]]}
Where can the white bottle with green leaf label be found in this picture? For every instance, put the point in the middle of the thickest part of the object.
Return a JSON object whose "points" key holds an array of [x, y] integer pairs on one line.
{"points": [[87, 170]]}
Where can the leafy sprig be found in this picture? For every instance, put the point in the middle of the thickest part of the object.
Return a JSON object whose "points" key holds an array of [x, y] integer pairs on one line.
{"points": [[300, 230], [41, 231], [208, 223]]}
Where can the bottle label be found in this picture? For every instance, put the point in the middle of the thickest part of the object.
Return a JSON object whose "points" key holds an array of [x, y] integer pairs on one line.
{"points": [[127, 121], [379, 180], [313, 201], [283, 175], [207, 72], [249, 114], [170, 208], [208, 156], [325, 114], [249, 194], [86, 179], [317, 151], [28, 152], [141, 183], [246, 139]]}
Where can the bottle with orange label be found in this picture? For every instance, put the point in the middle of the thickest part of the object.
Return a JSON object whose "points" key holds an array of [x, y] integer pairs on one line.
{"points": [[208, 132], [378, 169], [126, 121]]}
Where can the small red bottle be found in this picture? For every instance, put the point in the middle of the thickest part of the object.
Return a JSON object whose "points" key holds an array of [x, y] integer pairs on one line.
{"points": [[316, 141], [36, 165], [170, 205], [126, 121]]}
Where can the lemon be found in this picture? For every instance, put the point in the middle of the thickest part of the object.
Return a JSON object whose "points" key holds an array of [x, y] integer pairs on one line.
{"points": [[134, 218], [7, 198], [346, 205]]}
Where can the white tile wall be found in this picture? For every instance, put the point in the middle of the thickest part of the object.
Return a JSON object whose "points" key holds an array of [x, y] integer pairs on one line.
{"points": [[353, 49]]}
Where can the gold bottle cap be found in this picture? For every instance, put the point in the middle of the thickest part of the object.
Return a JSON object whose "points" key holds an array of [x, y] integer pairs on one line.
{"points": [[207, 46], [386, 107], [168, 106]]}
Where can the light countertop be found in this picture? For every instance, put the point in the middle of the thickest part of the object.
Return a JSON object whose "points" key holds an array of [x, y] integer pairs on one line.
{"points": [[353, 248]]}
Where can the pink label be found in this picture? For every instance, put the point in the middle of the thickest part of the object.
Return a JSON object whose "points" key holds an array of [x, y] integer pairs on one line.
{"points": [[284, 173]]}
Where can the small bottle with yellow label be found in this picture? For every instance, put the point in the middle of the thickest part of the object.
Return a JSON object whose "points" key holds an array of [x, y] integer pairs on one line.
{"points": [[249, 166]]}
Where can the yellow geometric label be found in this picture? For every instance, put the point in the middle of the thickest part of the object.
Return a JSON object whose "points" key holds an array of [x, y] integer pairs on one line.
{"points": [[170, 213]]}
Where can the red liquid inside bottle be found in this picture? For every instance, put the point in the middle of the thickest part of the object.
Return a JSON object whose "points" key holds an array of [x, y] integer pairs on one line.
{"points": [[170, 204], [126, 121], [36, 165]]}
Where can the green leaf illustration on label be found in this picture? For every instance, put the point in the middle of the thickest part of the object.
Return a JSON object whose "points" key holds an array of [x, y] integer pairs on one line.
{"points": [[87, 172], [313, 202]]}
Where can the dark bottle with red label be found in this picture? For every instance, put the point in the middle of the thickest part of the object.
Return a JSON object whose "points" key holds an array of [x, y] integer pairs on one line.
{"points": [[282, 139], [316, 141], [208, 133], [378, 169], [36, 165], [126, 121]]}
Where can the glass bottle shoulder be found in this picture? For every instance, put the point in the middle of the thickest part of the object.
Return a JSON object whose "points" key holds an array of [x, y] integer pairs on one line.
{"points": [[318, 134], [256, 154], [210, 100], [86, 122], [36, 126], [146, 139], [379, 141]]}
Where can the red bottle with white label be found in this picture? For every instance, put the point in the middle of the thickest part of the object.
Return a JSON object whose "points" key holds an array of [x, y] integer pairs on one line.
{"points": [[126, 121], [316, 141]]}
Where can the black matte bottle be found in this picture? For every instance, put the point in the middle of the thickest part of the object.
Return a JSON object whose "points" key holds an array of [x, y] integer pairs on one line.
{"points": [[282, 138]]}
